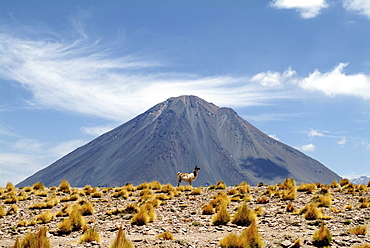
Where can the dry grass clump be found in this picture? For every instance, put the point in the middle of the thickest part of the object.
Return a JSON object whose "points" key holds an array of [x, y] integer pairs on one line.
{"points": [[145, 215], [74, 222], [289, 194], [34, 240], [121, 193], [244, 216], [155, 185], [64, 186], [220, 199], [2, 211], [9, 187], [309, 188], [220, 185], [290, 208], [86, 207], [249, 238], [12, 210], [90, 235], [343, 182], [222, 217], [322, 200], [334, 184], [322, 237], [262, 200], [38, 186], [311, 212], [208, 209], [359, 230], [232, 241], [121, 241], [45, 217], [48, 203], [197, 191], [166, 236], [73, 197]]}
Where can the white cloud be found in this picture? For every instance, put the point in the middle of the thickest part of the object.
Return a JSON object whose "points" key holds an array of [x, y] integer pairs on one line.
{"points": [[15, 167], [336, 82], [28, 145], [28, 156], [274, 137], [360, 6], [308, 148], [83, 77], [343, 141], [98, 130], [314, 133], [66, 147], [307, 9], [273, 79]]}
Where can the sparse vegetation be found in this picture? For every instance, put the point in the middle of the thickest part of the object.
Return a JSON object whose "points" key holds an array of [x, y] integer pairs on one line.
{"points": [[190, 210]]}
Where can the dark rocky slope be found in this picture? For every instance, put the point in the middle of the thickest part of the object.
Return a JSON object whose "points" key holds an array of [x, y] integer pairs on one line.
{"points": [[176, 135]]}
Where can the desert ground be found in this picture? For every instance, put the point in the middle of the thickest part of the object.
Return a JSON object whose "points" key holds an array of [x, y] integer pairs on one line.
{"points": [[343, 209]]}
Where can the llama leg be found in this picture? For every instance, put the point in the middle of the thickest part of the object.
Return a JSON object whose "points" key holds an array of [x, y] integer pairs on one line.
{"points": [[178, 182]]}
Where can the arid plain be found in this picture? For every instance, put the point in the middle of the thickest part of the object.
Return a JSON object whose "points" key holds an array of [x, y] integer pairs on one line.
{"points": [[286, 215]]}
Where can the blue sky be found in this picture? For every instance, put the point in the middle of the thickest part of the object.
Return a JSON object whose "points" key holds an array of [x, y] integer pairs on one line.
{"points": [[72, 70]]}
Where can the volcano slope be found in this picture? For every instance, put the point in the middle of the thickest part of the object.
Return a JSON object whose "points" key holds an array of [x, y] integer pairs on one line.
{"points": [[174, 136]]}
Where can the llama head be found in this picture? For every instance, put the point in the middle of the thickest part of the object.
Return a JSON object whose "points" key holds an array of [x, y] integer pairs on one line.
{"points": [[196, 168]]}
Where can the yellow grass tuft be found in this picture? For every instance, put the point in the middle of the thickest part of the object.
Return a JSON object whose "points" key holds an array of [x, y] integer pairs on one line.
{"points": [[121, 241], [74, 222], [166, 236], [251, 237], [64, 186], [90, 235], [322, 237], [220, 185], [311, 212], [232, 241], [208, 209], [45, 217], [35, 240], [244, 216], [359, 230], [222, 217], [38, 186], [2, 211]]}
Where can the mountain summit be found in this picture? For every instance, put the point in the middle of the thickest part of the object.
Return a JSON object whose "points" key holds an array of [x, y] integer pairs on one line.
{"points": [[176, 135]]}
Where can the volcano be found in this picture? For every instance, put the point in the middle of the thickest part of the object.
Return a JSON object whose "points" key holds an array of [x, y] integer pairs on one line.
{"points": [[175, 136]]}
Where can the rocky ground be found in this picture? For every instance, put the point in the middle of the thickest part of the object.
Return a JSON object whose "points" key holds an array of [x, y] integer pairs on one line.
{"points": [[181, 215]]}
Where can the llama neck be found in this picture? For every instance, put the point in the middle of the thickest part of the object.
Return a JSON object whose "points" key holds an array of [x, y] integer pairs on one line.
{"points": [[195, 173]]}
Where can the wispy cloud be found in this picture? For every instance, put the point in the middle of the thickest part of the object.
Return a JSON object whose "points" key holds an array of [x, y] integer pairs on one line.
{"points": [[27, 156], [314, 133], [82, 76], [360, 6], [98, 130], [307, 9]]}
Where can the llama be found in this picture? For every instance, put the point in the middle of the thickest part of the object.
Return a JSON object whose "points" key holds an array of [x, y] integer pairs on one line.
{"points": [[187, 177]]}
